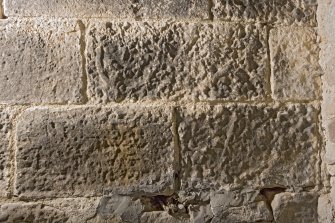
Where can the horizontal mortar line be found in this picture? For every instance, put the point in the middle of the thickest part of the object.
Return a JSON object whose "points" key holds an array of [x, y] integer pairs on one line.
{"points": [[172, 20], [159, 103]]}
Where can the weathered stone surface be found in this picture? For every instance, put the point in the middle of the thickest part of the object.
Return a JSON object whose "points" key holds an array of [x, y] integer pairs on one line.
{"points": [[185, 61], [5, 127], [40, 61], [294, 207], [268, 11], [326, 212], [160, 216], [197, 9], [88, 151], [67, 210], [1, 10], [254, 212], [248, 145], [296, 73]]}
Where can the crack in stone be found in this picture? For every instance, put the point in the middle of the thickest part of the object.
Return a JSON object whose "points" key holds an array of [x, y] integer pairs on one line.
{"points": [[82, 43]]}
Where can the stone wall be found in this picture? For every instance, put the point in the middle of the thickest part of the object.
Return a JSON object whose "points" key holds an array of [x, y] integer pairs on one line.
{"points": [[167, 111]]}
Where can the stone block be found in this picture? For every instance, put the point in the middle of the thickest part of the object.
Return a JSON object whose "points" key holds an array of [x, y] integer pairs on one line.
{"points": [[65, 210], [295, 207], [302, 12], [40, 61], [259, 146], [170, 9], [5, 128], [296, 73], [94, 151], [176, 61]]}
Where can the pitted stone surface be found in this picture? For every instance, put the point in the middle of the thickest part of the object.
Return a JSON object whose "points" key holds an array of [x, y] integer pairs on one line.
{"points": [[295, 207], [189, 9], [296, 73], [5, 127], [88, 151], [185, 61], [241, 145], [302, 12], [40, 61], [66, 210]]}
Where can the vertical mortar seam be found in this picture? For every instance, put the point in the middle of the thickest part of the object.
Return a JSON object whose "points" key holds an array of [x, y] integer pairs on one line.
{"points": [[82, 45], [177, 149], [210, 10]]}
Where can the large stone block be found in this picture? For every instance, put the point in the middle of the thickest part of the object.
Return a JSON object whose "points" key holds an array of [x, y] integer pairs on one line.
{"points": [[295, 207], [65, 210], [5, 127], [301, 12], [296, 73], [258, 146], [40, 61], [91, 151], [189, 9], [176, 61]]}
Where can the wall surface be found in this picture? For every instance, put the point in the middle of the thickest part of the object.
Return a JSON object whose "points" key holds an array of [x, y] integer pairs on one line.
{"points": [[167, 111]]}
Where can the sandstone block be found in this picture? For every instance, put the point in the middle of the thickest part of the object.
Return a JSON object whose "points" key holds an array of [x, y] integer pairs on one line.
{"points": [[188, 9], [295, 207], [40, 61], [259, 146], [267, 11], [5, 127], [66, 210], [91, 151], [176, 61], [296, 73]]}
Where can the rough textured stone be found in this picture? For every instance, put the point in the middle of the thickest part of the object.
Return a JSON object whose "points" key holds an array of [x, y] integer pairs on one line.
{"points": [[268, 11], [109, 8], [160, 216], [88, 151], [248, 145], [326, 212], [5, 127], [254, 212], [295, 207], [185, 61], [296, 73], [40, 61], [67, 210]]}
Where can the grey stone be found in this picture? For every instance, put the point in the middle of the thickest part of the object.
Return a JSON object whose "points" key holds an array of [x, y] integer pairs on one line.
{"points": [[296, 73], [176, 61], [326, 211], [295, 207], [40, 61], [66, 210], [90, 151], [254, 212], [5, 128], [302, 12], [186, 9], [239, 146], [160, 216], [200, 213]]}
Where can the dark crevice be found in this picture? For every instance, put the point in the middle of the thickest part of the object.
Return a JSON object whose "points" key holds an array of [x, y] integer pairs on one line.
{"points": [[2, 12], [269, 194], [177, 150], [82, 42], [210, 10]]}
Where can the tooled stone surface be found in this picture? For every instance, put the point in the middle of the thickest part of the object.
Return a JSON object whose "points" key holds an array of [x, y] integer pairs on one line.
{"points": [[248, 145], [301, 12], [109, 8], [176, 61], [296, 73], [295, 207], [40, 61], [65, 210], [5, 127], [88, 151]]}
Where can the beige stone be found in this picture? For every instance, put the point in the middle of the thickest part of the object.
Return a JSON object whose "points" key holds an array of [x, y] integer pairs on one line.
{"points": [[40, 61], [186, 9], [296, 74], [160, 216], [237, 146], [326, 212], [302, 12], [176, 61], [65, 210], [91, 151], [295, 207], [5, 131]]}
